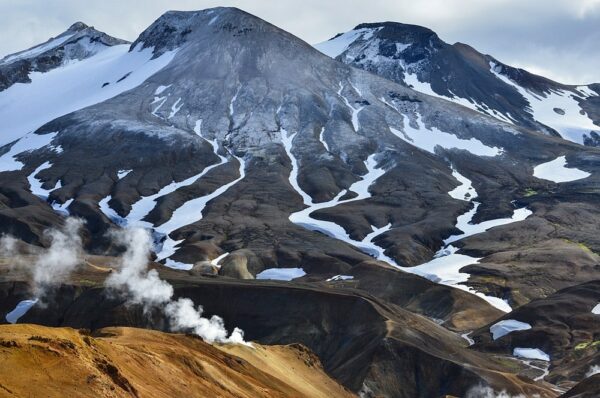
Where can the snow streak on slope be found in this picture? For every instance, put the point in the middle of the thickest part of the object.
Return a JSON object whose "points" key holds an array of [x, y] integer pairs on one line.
{"points": [[361, 188], [556, 109], [26, 107], [188, 213], [355, 111], [447, 263], [463, 222], [429, 138], [444, 268], [557, 171], [36, 185]]}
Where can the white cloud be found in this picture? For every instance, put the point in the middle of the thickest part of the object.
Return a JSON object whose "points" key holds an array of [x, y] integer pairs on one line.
{"points": [[559, 37]]}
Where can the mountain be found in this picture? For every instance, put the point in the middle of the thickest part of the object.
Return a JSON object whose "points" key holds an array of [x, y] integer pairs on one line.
{"points": [[416, 57], [76, 43], [391, 223]]}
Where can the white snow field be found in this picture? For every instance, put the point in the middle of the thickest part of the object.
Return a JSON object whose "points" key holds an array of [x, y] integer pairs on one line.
{"points": [[557, 171], [596, 309], [556, 109], [20, 310], [281, 274], [74, 86], [531, 353], [507, 326]]}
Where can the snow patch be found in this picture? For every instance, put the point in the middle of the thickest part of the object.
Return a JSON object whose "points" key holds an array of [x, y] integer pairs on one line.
{"points": [[465, 190], [507, 326], [531, 353], [20, 310], [159, 90], [557, 171], [36, 185], [596, 309], [122, 173], [217, 260], [281, 274], [175, 108]]}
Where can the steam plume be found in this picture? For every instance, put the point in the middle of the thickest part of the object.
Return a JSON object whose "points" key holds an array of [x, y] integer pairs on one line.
{"points": [[143, 286]]}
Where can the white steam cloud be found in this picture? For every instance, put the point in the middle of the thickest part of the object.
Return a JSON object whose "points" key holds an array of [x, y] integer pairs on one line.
{"points": [[53, 265], [144, 286], [56, 264], [132, 277]]}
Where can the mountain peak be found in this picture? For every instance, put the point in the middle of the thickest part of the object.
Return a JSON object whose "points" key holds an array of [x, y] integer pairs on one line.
{"points": [[77, 27], [174, 28]]}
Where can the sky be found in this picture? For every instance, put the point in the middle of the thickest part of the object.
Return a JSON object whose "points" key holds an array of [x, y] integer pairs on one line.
{"points": [[559, 39]]}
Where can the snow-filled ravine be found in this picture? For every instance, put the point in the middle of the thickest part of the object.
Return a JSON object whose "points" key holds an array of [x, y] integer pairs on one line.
{"points": [[445, 267], [188, 213], [557, 171], [447, 262]]}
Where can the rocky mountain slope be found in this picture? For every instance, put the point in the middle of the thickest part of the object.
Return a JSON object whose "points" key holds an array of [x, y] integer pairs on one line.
{"points": [[248, 154], [415, 56]]}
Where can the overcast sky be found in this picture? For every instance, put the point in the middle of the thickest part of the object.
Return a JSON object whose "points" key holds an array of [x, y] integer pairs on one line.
{"points": [[557, 38]]}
